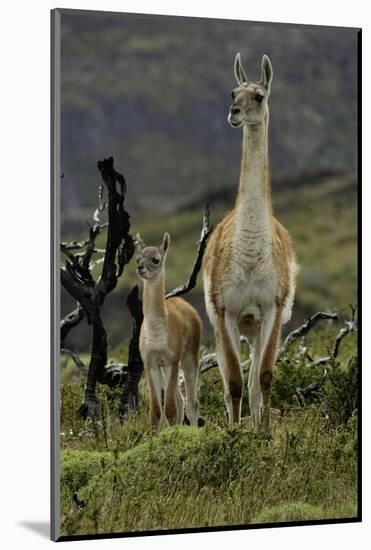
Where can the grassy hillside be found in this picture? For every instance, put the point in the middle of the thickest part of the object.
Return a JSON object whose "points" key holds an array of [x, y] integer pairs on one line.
{"points": [[129, 479]]}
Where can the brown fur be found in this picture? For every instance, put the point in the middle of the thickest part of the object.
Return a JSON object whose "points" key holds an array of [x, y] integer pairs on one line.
{"points": [[184, 330], [170, 339], [217, 262], [269, 253]]}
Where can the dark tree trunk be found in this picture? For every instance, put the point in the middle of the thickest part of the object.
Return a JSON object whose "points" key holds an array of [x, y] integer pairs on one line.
{"points": [[130, 391], [98, 360]]}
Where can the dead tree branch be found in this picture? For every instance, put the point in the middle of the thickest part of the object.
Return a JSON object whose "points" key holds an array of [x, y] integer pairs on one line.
{"points": [[304, 329], [209, 361], [312, 394], [115, 374], [192, 281], [70, 321], [78, 281], [74, 245], [75, 358], [348, 328], [82, 265]]}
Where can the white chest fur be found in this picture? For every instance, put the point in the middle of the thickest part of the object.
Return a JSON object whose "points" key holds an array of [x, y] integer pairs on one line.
{"points": [[251, 285], [155, 334]]}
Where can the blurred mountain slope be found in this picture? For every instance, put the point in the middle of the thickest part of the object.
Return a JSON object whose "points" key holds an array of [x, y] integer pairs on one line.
{"points": [[154, 92]]}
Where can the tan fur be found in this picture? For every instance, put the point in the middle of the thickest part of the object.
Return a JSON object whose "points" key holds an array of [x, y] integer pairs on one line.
{"points": [[169, 340], [249, 263]]}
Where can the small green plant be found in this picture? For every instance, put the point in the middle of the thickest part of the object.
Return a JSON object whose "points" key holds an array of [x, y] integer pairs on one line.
{"points": [[342, 390]]}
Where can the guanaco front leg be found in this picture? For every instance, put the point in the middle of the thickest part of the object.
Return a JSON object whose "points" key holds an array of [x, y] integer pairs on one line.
{"points": [[153, 374], [227, 347]]}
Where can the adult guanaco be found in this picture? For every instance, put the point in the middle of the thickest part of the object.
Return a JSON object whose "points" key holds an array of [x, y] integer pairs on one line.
{"points": [[249, 264]]}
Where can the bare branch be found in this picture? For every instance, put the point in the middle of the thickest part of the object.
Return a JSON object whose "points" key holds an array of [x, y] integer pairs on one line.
{"points": [[75, 357], [102, 205], [70, 321], [74, 245], [209, 361], [192, 281], [94, 263], [348, 328], [304, 329]]}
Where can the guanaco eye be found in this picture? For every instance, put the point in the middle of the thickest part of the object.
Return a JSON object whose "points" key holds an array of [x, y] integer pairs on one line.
{"points": [[233, 95], [156, 261], [259, 98]]}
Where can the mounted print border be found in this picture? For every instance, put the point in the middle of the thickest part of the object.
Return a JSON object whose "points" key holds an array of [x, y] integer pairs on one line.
{"points": [[145, 149]]}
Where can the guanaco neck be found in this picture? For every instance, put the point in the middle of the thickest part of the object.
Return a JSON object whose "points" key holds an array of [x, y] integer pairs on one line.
{"points": [[254, 203], [154, 298]]}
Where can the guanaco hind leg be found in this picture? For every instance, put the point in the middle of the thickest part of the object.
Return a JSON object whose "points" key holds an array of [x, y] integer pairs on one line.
{"points": [[255, 398], [172, 397], [270, 335]]}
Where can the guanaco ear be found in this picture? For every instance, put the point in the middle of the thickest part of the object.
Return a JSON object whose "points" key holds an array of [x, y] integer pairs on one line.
{"points": [[139, 243], [267, 72], [239, 73], [165, 243]]}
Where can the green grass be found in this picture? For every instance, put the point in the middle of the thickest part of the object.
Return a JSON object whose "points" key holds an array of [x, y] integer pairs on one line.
{"points": [[131, 480], [185, 477]]}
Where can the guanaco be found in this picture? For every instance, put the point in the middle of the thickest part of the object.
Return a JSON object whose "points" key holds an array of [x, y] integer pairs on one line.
{"points": [[169, 340], [249, 265]]}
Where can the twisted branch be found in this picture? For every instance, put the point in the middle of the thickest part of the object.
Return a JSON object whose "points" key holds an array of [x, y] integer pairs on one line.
{"points": [[77, 279]]}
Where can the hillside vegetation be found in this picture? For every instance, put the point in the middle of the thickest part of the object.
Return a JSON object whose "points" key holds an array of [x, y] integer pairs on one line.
{"points": [[125, 479]]}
